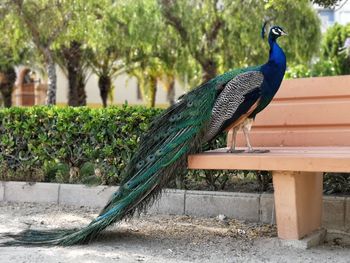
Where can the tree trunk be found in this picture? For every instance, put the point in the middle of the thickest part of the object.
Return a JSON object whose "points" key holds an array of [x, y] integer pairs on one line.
{"points": [[6, 92], [152, 91], [72, 68], [76, 85], [203, 55], [7, 100], [210, 70], [104, 84], [170, 96], [138, 91], [81, 90], [52, 78], [72, 86], [6, 85]]}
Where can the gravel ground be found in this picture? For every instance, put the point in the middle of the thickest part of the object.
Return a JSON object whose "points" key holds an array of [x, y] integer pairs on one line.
{"points": [[155, 239]]}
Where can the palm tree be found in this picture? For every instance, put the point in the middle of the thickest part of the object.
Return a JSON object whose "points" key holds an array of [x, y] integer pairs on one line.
{"points": [[7, 81]]}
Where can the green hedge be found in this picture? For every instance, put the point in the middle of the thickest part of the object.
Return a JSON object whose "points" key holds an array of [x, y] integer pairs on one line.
{"points": [[69, 144], [93, 146], [84, 145]]}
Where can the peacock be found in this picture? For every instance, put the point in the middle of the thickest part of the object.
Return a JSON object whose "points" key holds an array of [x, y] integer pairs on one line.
{"points": [[228, 101]]}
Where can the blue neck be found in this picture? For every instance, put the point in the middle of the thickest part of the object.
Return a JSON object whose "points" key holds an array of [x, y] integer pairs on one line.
{"points": [[275, 68]]}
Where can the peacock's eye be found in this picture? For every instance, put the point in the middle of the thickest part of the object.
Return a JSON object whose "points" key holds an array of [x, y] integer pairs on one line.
{"points": [[159, 152], [190, 104], [172, 118], [140, 164], [150, 158]]}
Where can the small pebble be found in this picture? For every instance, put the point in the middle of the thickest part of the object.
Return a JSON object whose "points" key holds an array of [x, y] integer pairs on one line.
{"points": [[221, 217]]}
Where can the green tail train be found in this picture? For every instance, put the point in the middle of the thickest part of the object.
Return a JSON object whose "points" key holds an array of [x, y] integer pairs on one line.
{"points": [[162, 152]]}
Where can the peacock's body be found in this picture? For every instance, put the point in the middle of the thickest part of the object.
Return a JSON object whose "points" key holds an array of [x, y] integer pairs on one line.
{"points": [[222, 103]]}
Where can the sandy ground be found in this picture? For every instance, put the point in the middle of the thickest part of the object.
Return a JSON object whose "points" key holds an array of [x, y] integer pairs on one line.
{"points": [[155, 239]]}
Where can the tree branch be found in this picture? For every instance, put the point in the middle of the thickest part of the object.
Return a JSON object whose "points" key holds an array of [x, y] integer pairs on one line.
{"points": [[213, 34], [173, 20], [33, 30], [59, 29]]}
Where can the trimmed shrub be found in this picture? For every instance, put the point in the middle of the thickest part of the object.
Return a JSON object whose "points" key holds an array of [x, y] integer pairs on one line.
{"points": [[93, 146], [66, 144], [84, 145]]}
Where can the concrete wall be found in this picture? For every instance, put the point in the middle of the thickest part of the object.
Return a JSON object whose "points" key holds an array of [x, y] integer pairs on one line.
{"points": [[243, 206]]}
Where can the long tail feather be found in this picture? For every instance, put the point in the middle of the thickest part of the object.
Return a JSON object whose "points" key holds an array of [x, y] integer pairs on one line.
{"points": [[162, 154]]}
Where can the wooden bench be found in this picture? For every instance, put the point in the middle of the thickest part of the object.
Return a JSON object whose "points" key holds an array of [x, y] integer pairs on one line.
{"points": [[307, 129]]}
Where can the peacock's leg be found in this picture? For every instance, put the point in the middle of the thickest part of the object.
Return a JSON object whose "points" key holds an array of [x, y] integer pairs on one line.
{"points": [[246, 130], [232, 143]]}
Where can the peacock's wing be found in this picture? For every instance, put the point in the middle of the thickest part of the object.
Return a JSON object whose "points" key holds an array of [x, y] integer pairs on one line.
{"points": [[237, 100]]}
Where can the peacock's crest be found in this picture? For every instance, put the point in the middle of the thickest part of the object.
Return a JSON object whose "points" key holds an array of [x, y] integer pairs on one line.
{"points": [[263, 30]]}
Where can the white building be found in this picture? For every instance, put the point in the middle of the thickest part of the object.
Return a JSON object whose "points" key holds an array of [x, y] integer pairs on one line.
{"points": [[339, 14]]}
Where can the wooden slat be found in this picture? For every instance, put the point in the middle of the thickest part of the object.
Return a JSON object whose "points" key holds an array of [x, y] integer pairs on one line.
{"points": [[315, 87], [330, 112], [278, 137], [307, 159]]}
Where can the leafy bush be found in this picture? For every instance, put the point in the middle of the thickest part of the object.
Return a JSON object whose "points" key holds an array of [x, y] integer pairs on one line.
{"points": [[336, 183], [335, 48], [318, 69], [93, 146], [334, 56], [64, 144]]}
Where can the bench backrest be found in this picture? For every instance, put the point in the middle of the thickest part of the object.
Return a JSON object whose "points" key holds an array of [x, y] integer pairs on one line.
{"points": [[305, 112]]}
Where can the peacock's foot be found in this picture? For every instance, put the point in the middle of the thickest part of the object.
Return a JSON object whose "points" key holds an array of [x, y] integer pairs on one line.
{"points": [[234, 151], [257, 151]]}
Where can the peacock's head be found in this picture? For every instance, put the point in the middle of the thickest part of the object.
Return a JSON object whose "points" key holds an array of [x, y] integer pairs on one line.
{"points": [[276, 32]]}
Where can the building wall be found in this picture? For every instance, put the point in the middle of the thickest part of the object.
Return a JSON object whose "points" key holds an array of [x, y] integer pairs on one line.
{"points": [[125, 91], [339, 14]]}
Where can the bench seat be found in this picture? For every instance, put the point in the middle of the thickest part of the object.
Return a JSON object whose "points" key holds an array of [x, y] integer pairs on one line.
{"points": [[307, 130], [303, 159], [297, 178]]}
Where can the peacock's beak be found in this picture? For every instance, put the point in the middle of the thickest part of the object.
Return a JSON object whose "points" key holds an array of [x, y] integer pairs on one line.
{"points": [[283, 33]]}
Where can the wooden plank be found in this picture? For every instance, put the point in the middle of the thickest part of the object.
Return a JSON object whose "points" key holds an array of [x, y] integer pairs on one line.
{"points": [[314, 87], [297, 136], [321, 112], [304, 159]]}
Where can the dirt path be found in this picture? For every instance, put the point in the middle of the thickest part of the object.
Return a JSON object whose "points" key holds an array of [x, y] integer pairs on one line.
{"points": [[155, 239]]}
